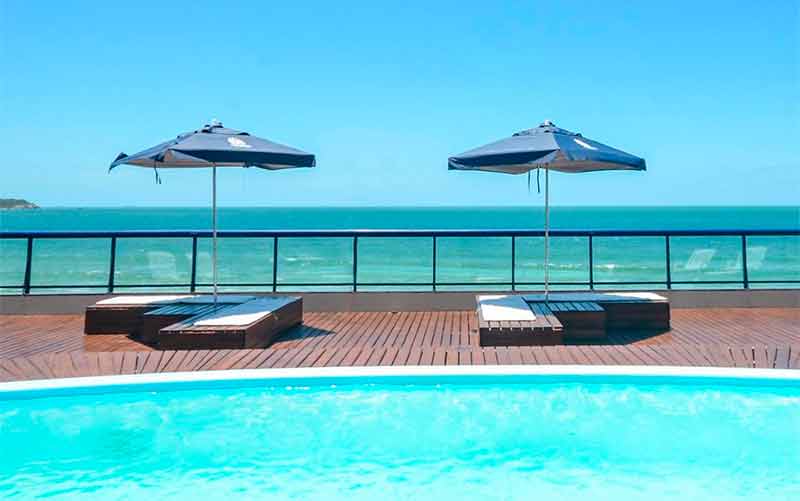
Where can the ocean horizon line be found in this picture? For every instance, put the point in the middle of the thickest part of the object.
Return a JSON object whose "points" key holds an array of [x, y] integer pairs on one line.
{"points": [[422, 206]]}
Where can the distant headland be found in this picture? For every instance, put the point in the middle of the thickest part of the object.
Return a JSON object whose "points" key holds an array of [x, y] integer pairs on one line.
{"points": [[16, 203]]}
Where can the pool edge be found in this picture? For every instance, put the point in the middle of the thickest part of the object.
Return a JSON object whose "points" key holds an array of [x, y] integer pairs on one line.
{"points": [[326, 376]]}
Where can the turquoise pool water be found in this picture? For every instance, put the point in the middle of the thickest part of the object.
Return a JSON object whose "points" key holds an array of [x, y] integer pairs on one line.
{"points": [[450, 441]]}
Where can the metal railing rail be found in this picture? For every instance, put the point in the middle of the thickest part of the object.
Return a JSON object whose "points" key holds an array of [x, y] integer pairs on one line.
{"points": [[277, 235]]}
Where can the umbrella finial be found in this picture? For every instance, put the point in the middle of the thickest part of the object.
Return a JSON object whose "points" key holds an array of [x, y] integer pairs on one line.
{"points": [[215, 123], [548, 123]]}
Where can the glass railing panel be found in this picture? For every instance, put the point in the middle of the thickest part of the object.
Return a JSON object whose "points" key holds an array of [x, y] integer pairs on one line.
{"points": [[775, 260], [322, 264], [70, 265], [13, 252], [158, 264], [638, 261], [406, 261], [569, 263], [64, 265], [482, 263], [243, 264], [706, 262]]}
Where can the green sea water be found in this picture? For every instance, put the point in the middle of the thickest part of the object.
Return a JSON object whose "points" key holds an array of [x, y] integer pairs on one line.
{"points": [[472, 263]]}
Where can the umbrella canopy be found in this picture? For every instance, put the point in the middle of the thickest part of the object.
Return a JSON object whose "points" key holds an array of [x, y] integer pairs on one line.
{"points": [[545, 147], [217, 146], [550, 148]]}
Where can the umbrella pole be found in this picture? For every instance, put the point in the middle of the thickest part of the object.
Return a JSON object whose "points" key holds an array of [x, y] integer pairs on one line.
{"points": [[546, 235], [214, 230]]}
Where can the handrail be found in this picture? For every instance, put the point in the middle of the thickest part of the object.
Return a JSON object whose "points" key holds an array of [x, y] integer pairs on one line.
{"points": [[396, 233], [355, 234]]}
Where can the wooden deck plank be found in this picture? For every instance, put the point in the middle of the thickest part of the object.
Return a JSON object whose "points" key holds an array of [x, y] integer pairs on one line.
{"points": [[414, 355], [795, 356], [782, 357], [228, 361], [762, 358], [312, 357], [401, 358], [338, 354], [189, 361], [62, 366], [6, 374], [389, 356], [262, 359], [490, 356], [323, 359], [741, 356], [80, 362], [280, 358], [376, 356], [27, 369], [42, 362], [207, 363]]}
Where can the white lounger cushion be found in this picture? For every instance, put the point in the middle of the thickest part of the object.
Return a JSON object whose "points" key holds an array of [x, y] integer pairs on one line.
{"points": [[142, 300], [245, 313], [504, 308], [600, 297]]}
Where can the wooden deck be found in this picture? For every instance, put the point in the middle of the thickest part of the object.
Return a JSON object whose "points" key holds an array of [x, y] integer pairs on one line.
{"points": [[47, 346]]}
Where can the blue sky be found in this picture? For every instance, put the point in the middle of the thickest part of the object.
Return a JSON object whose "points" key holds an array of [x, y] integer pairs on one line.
{"points": [[383, 92]]}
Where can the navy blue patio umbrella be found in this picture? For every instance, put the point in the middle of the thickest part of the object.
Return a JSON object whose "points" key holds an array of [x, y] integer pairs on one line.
{"points": [[547, 148], [215, 146]]}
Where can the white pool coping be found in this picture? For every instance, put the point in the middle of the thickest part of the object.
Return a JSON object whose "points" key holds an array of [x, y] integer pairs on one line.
{"points": [[423, 375]]}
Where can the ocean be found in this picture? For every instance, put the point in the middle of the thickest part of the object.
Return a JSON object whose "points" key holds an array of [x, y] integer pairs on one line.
{"points": [[246, 263]]}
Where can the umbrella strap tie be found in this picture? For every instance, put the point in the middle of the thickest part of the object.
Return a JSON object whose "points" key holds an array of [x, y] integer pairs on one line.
{"points": [[538, 185], [158, 178]]}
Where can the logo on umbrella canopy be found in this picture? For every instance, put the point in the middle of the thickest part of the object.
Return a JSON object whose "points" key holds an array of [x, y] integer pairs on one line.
{"points": [[584, 144], [238, 143]]}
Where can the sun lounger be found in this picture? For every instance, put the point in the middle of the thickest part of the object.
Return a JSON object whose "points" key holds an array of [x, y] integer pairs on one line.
{"points": [[253, 324]]}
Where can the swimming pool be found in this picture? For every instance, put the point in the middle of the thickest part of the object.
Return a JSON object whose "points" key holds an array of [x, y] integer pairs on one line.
{"points": [[545, 433]]}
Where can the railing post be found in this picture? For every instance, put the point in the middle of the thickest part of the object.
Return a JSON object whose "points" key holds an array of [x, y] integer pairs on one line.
{"points": [[669, 266], [193, 282], [513, 263], [745, 275], [112, 263], [274, 264], [591, 263], [355, 263], [433, 281], [26, 284]]}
